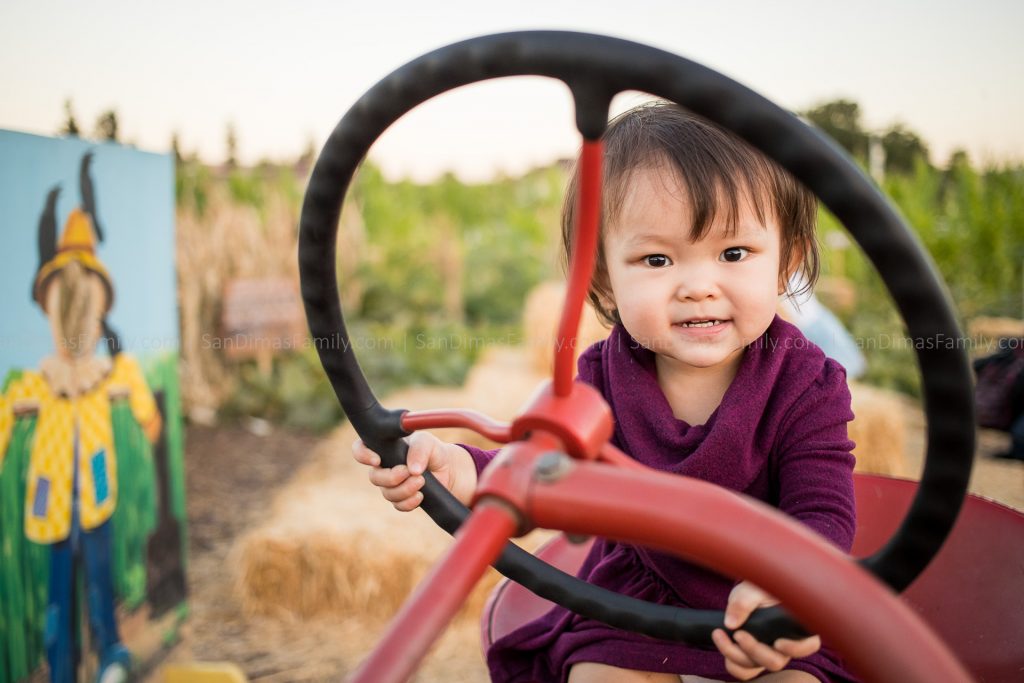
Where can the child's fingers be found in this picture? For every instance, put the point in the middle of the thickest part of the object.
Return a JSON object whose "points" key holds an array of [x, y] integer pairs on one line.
{"points": [[741, 673], [421, 448], [744, 599], [798, 648], [734, 654], [364, 455], [408, 488], [417, 460], [410, 503], [760, 653], [388, 477]]}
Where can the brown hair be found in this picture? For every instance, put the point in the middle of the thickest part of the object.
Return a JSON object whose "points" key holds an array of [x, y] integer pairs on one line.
{"points": [[713, 166]]}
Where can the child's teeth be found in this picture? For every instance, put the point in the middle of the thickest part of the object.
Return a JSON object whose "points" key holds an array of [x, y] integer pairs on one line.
{"points": [[701, 323]]}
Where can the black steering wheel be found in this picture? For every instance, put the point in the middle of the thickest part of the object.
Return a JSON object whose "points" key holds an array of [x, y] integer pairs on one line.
{"points": [[595, 68]]}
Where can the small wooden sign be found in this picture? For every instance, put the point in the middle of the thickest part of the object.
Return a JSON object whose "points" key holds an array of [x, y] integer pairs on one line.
{"points": [[261, 318]]}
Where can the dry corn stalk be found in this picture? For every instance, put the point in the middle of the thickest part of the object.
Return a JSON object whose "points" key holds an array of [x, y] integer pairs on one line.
{"points": [[231, 240]]}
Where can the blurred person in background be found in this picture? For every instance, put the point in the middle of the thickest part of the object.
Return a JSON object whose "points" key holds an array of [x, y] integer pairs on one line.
{"points": [[822, 327], [999, 394]]}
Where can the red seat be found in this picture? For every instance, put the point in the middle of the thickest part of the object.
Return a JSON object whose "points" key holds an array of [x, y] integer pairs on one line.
{"points": [[972, 593]]}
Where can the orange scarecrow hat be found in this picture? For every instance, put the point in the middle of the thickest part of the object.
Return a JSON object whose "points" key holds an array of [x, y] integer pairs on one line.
{"points": [[77, 243]]}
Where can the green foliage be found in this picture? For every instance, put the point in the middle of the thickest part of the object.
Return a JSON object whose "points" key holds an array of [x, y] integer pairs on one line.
{"points": [[135, 515], [295, 393], [176, 150], [486, 244], [231, 146], [972, 225], [246, 187], [447, 260], [840, 120], [904, 149], [24, 566], [501, 234], [192, 182], [882, 337], [442, 353], [70, 125]]}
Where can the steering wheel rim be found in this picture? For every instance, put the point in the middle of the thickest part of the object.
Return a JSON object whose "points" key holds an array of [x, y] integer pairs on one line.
{"points": [[595, 68]]}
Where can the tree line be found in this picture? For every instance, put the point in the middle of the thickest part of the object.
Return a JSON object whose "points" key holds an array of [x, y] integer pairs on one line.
{"points": [[899, 146]]}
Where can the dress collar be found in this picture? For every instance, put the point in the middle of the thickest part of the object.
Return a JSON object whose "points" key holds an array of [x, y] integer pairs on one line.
{"points": [[723, 449]]}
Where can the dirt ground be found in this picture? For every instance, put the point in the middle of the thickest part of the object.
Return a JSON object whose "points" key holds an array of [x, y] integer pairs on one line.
{"points": [[232, 475]]}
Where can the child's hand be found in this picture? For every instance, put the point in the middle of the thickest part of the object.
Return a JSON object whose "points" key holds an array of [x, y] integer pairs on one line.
{"points": [[745, 656], [401, 485]]}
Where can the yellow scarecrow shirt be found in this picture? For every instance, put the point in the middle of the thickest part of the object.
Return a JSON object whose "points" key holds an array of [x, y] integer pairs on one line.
{"points": [[61, 420]]}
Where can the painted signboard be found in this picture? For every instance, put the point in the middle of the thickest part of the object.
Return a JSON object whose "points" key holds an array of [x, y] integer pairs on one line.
{"points": [[91, 479]]}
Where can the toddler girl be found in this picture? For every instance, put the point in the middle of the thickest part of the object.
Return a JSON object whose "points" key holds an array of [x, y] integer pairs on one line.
{"points": [[700, 234]]}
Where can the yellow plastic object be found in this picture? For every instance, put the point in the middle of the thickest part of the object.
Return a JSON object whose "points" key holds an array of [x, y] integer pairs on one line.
{"points": [[203, 672]]}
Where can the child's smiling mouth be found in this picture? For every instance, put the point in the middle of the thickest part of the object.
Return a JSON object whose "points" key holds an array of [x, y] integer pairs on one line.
{"points": [[702, 326], [701, 322]]}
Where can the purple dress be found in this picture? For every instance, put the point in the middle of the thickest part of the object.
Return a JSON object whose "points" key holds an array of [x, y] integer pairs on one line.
{"points": [[778, 435]]}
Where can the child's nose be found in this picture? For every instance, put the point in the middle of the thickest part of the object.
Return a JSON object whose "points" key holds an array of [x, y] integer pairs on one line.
{"points": [[697, 284]]}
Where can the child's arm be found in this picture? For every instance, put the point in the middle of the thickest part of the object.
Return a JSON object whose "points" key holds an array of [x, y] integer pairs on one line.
{"points": [[814, 471], [814, 461], [452, 465], [745, 656]]}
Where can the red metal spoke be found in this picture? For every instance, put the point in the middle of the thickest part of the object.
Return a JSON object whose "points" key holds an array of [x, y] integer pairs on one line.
{"points": [[581, 268], [465, 419], [613, 456], [439, 597]]}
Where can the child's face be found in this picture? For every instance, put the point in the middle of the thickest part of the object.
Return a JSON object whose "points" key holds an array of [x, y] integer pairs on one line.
{"points": [[660, 280]]}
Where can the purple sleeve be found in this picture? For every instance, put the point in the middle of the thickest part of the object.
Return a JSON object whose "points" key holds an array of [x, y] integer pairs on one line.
{"points": [[481, 458], [814, 463]]}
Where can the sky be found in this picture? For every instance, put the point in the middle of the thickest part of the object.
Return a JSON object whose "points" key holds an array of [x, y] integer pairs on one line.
{"points": [[283, 74]]}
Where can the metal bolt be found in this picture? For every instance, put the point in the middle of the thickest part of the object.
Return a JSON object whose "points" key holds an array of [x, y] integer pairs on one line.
{"points": [[551, 466]]}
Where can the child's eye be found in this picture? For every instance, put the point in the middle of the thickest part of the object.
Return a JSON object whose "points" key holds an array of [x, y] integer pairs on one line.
{"points": [[657, 260], [734, 254]]}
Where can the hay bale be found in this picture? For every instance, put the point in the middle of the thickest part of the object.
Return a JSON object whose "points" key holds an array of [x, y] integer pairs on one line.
{"points": [[541, 314], [333, 546], [312, 575], [879, 430]]}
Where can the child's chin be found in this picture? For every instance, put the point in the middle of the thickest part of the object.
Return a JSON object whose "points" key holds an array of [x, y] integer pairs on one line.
{"points": [[705, 360]]}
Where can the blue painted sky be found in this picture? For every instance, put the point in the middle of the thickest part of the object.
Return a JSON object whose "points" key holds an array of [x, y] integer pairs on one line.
{"points": [[284, 73], [135, 201]]}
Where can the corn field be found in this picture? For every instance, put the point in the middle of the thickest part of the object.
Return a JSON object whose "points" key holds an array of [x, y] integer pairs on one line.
{"points": [[453, 261]]}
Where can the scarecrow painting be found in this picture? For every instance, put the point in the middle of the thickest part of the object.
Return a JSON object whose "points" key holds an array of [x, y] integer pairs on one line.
{"points": [[78, 476]]}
